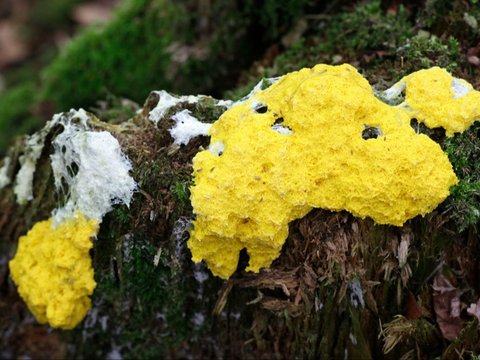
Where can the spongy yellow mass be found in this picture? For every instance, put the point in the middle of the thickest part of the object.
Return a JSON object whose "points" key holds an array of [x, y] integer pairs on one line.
{"points": [[53, 270], [437, 99], [317, 138]]}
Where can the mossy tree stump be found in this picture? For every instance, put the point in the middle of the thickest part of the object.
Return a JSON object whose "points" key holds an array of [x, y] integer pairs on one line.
{"points": [[343, 287]]}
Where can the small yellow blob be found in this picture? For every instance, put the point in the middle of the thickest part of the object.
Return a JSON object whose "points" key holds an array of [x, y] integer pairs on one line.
{"points": [[317, 138], [436, 98], [53, 270]]}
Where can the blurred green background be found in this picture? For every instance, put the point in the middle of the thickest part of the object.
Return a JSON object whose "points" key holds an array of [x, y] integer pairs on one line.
{"points": [[59, 54]]}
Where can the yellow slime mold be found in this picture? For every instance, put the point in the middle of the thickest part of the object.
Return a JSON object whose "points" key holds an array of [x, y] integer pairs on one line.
{"points": [[53, 270], [318, 139], [436, 98]]}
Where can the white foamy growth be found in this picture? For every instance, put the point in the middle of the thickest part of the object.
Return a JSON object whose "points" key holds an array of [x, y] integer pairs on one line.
{"points": [[95, 170], [79, 114], [395, 91], [34, 144], [23, 188], [217, 148], [261, 85], [167, 101], [187, 127], [281, 129], [225, 103], [4, 179], [460, 88]]}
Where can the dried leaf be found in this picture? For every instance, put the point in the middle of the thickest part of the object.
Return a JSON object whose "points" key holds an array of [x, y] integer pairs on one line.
{"points": [[223, 297], [414, 311], [446, 304], [474, 60]]}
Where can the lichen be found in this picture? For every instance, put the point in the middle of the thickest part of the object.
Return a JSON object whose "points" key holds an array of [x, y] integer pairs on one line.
{"points": [[53, 270], [346, 150]]}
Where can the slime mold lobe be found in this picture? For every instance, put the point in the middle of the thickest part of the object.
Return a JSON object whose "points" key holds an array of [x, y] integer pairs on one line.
{"points": [[245, 198], [436, 98], [53, 270]]}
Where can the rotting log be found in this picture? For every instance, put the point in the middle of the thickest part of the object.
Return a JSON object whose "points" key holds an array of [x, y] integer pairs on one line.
{"points": [[343, 287]]}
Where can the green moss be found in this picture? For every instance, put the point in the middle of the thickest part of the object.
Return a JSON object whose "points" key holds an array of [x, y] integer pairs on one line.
{"points": [[464, 153], [15, 113], [146, 317], [153, 174], [465, 204], [367, 29], [142, 278], [127, 57], [425, 50], [208, 111], [121, 215], [130, 295], [181, 193]]}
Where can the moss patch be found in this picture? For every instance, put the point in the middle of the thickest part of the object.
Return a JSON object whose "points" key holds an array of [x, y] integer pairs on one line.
{"points": [[464, 153]]}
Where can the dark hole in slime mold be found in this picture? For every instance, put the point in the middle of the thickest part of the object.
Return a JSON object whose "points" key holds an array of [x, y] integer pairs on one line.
{"points": [[243, 260], [436, 134], [278, 125], [371, 132], [415, 125], [260, 108]]}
